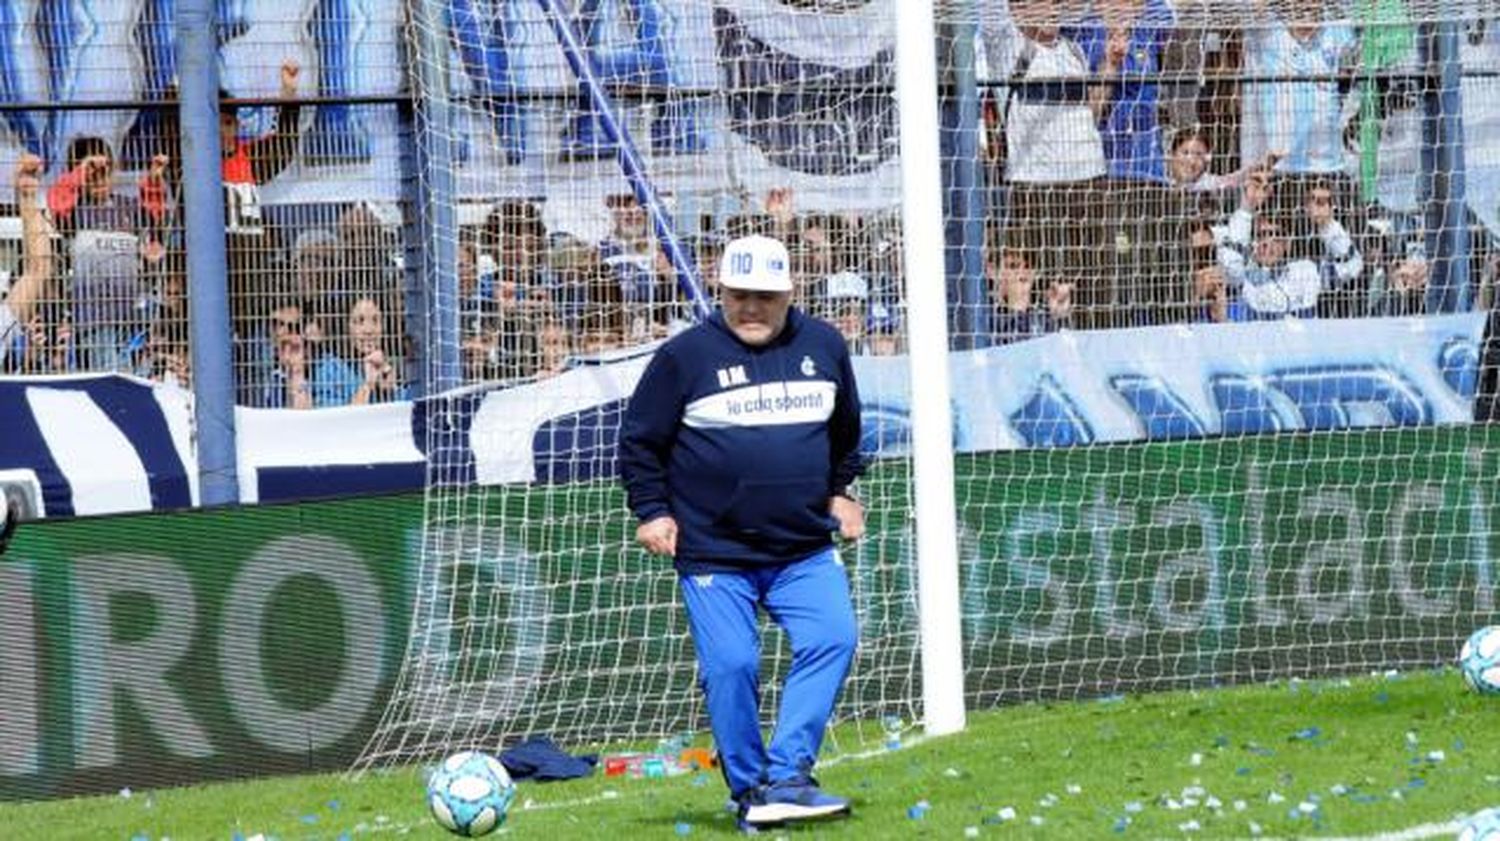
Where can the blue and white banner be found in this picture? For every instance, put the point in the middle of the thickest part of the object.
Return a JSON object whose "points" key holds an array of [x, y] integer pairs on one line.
{"points": [[1194, 381], [107, 444], [832, 145], [98, 445]]}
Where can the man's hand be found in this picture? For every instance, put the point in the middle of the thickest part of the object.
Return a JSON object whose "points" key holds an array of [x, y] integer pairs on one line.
{"points": [[659, 536], [1116, 48], [851, 517], [378, 372], [290, 70], [28, 178], [1060, 299], [1257, 189]]}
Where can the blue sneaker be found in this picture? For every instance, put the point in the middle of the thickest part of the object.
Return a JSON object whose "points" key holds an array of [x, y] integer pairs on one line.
{"points": [[795, 800], [750, 814]]}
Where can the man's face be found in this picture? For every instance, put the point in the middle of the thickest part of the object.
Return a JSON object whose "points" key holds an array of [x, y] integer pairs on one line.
{"points": [[756, 318], [468, 271], [850, 321], [1270, 245], [1189, 161], [1016, 279], [229, 130]]}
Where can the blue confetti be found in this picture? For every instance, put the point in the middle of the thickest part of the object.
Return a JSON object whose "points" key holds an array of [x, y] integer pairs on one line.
{"points": [[919, 811], [1259, 750], [237, 836], [140, 836], [1242, 771], [344, 836], [1121, 823], [1110, 699], [1221, 741], [334, 805], [684, 828], [1382, 697], [1458, 745], [1416, 782], [1307, 734], [309, 819]]}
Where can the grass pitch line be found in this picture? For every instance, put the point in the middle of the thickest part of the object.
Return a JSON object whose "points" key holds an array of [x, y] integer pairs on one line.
{"points": [[1426, 830]]}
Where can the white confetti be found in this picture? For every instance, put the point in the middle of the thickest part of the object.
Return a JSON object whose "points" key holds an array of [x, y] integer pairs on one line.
{"points": [[1255, 828], [1338, 789], [1194, 791], [1213, 803], [125, 792], [1240, 805], [1411, 738], [1075, 788], [1173, 804], [1195, 759], [971, 832], [1189, 826], [1134, 806], [1307, 807], [1037, 820], [1436, 756], [1006, 813], [950, 772], [1275, 797]]}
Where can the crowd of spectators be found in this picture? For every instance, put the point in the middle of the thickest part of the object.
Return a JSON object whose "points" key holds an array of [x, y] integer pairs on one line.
{"points": [[1154, 165], [1145, 167]]}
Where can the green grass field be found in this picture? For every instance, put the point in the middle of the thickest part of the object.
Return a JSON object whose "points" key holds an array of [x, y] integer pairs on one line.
{"points": [[1323, 758]]}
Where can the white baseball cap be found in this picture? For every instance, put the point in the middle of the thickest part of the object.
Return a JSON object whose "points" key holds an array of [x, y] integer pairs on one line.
{"points": [[846, 284], [757, 264]]}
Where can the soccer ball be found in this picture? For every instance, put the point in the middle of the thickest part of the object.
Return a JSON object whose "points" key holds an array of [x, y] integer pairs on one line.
{"points": [[1481, 826], [1479, 660], [469, 793]]}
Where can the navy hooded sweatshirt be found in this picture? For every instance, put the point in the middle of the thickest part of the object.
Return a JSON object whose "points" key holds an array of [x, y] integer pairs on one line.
{"points": [[743, 445]]}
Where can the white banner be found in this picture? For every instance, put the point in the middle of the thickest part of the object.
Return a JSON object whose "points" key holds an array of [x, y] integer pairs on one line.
{"points": [[1065, 389]]}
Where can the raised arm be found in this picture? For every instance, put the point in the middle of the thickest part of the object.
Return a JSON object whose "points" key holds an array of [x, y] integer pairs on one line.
{"points": [[35, 280], [270, 155]]}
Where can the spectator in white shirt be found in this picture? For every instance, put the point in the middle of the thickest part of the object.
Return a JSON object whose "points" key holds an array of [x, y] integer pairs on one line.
{"points": [[1054, 153], [1256, 256]]}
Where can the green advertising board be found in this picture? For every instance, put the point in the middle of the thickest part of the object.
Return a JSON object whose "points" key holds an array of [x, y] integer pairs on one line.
{"points": [[1107, 569], [159, 649]]}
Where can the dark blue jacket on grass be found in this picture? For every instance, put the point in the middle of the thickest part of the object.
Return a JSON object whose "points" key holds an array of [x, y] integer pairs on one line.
{"points": [[743, 445]]}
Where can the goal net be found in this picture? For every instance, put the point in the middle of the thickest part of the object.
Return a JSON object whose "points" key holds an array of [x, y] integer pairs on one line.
{"points": [[580, 218], [1216, 274]]}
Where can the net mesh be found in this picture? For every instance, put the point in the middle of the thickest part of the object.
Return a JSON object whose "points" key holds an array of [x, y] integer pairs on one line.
{"points": [[1197, 445]]}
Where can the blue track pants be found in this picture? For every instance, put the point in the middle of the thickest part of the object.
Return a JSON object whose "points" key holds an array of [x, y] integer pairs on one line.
{"points": [[809, 599]]}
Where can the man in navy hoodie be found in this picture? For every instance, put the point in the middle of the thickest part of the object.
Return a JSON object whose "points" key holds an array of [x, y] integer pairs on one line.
{"points": [[737, 451]]}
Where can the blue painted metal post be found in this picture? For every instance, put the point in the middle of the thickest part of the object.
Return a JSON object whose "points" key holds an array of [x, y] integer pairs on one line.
{"points": [[963, 187], [1448, 286], [437, 220], [203, 214], [630, 160]]}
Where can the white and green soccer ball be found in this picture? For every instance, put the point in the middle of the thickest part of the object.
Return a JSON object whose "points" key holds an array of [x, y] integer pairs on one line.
{"points": [[1481, 826], [470, 793], [1479, 660]]}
